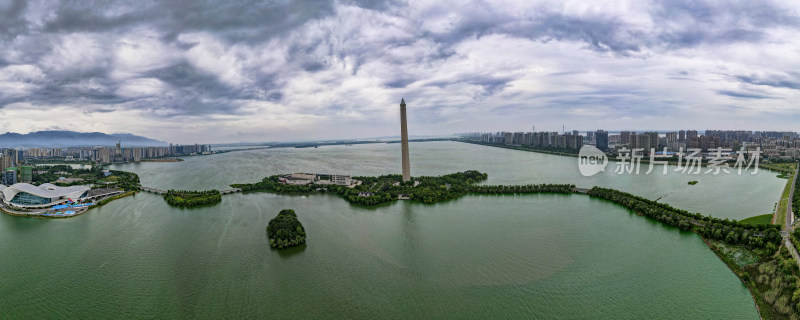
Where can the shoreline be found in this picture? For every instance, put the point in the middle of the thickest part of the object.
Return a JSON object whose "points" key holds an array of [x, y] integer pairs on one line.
{"points": [[82, 211], [733, 268], [163, 160]]}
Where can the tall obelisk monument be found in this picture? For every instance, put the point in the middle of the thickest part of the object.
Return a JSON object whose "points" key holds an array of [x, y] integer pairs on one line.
{"points": [[404, 141]]}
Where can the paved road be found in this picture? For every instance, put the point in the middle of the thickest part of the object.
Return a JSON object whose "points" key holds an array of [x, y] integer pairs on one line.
{"points": [[789, 218], [153, 190], [788, 227]]}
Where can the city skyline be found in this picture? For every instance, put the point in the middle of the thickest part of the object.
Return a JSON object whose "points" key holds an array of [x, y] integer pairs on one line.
{"points": [[234, 72]]}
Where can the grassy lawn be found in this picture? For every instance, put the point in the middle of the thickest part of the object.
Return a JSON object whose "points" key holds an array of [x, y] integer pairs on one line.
{"points": [[762, 219], [111, 178]]}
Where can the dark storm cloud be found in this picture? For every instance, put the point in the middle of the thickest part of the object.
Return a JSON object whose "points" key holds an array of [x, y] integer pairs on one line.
{"points": [[399, 82], [12, 21], [743, 95], [198, 92], [697, 23], [248, 21], [777, 81], [88, 17], [490, 85], [599, 33]]}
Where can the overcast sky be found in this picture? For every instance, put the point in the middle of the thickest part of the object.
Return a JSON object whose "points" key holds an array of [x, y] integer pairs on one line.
{"points": [[226, 71]]}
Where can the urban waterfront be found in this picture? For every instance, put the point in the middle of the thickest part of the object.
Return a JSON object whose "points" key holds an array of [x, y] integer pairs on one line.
{"points": [[479, 256]]}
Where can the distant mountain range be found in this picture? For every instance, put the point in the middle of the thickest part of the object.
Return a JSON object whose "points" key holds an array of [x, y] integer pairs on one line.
{"points": [[73, 139]]}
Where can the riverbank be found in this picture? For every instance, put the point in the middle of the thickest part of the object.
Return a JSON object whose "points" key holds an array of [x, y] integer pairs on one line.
{"points": [[771, 279], [728, 257], [163, 160]]}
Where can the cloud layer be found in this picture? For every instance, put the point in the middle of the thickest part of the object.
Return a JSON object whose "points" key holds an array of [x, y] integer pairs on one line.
{"points": [[224, 71]]}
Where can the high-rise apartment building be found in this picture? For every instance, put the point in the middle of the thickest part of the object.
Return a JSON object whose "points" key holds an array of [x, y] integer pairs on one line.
{"points": [[672, 137], [601, 138], [691, 134]]}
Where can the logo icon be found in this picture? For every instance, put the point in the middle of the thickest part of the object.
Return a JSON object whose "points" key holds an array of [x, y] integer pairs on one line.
{"points": [[591, 160]]}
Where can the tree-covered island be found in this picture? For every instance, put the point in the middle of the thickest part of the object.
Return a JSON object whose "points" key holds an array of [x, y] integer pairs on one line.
{"points": [[186, 198], [387, 188], [285, 230]]}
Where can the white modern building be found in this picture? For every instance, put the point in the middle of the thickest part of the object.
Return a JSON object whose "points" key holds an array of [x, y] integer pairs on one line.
{"points": [[29, 196], [316, 178]]}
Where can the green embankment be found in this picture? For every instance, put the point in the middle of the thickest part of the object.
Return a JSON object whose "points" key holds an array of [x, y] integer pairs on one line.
{"points": [[107, 200], [762, 219], [780, 211]]}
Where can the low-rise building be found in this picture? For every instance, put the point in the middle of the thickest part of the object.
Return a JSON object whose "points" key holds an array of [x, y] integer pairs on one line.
{"points": [[307, 178], [29, 196]]}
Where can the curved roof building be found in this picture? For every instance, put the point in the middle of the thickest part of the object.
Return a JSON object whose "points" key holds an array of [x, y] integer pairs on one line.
{"points": [[30, 196]]}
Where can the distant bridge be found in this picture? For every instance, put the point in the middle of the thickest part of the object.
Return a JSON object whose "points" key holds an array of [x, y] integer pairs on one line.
{"points": [[227, 191], [581, 190], [152, 190], [159, 191]]}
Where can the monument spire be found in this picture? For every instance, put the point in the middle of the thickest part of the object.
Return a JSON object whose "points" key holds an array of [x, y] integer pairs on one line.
{"points": [[404, 141]]}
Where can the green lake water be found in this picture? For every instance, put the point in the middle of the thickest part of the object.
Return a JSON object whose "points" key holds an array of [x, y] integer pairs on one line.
{"points": [[539, 256]]}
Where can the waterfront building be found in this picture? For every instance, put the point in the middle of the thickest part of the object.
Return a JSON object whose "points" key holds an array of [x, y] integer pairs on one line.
{"points": [[546, 139], [316, 178], [304, 176], [529, 138], [682, 136], [404, 141], [46, 195], [340, 179], [561, 141], [517, 138]]}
